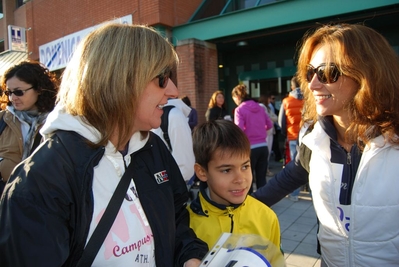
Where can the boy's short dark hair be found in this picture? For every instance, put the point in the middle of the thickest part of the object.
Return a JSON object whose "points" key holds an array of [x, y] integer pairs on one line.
{"points": [[218, 134]]}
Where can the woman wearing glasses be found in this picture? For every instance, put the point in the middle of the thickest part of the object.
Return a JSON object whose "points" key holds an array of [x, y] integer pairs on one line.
{"points": [[99, 151], [349, 145], [31, 91]]}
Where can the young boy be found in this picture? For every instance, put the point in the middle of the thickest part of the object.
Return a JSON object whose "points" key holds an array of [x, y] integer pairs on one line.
{"points": [[222, 155]]}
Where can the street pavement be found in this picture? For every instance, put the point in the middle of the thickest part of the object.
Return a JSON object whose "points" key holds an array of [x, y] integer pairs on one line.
{"points": [[298, 225]]}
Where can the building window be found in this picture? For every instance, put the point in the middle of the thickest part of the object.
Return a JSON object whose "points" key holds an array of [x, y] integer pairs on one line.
{"points": [[262, 2], [235, 5], [211, 8], [2, 46], [21, 2]]}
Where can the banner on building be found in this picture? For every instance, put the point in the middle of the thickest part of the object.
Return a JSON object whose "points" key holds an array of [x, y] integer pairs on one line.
{"points": [[56, 54]]}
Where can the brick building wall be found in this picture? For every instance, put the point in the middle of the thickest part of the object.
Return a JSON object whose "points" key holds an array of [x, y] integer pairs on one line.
{"points": [[197, 73], [50, 20], [11, 16]]}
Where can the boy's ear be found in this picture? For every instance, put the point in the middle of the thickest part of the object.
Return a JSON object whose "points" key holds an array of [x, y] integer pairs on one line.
{"points": [[200, 172]]}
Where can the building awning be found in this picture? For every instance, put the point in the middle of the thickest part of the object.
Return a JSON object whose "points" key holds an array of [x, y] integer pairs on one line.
{"points": [[10, 58]]}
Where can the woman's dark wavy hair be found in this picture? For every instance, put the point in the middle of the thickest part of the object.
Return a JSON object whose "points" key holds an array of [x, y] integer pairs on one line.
{"points": [[42, 80]]}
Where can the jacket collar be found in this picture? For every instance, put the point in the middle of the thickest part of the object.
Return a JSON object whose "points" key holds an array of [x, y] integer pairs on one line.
{"points": [[197, 208]]}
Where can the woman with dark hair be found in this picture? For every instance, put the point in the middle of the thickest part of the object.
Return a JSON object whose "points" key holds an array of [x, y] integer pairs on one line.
{"points": [[348, 145], [31, 90], [217, 107]]}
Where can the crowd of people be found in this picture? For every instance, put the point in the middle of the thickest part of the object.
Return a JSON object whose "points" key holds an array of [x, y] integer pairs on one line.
{"points": [[90, 177]]}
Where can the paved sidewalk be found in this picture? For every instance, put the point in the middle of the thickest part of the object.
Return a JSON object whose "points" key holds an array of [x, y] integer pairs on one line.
{"points": [[298, 230], [298, 225]]}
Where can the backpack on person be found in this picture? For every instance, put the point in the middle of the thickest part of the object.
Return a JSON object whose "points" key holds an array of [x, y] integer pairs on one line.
{"points": [[193, 183], [165, 125]]}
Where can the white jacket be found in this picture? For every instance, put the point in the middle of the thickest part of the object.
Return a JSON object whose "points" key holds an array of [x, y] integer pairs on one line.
{"points": [[365, 233], [180, 137]]}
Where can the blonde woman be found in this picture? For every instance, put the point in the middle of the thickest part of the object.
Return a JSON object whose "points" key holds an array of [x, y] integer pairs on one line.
{"points": [[111, 96]]}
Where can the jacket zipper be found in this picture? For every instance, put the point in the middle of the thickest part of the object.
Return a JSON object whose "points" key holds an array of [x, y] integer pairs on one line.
{"points": [[231, 215]]}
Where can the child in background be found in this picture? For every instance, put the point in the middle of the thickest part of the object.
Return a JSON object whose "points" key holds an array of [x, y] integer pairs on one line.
{"points": [[222, 155]]}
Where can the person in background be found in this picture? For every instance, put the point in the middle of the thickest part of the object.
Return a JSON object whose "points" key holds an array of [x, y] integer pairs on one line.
{"points": [[217, 108], [222, 153], [31, 90], [264, 101], [278, 157], [289, 119], [253, 120], [111, 96], [193, 116], [349, 145], [180, 137]]}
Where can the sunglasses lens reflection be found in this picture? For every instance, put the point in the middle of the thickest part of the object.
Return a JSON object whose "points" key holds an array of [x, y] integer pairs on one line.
{"points": [[322, 75], [309, 74], [15, 92]]}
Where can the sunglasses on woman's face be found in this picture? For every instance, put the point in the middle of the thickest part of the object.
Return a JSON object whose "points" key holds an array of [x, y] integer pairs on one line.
{"points": [[322, 75], [16, 92], [163, 78]]}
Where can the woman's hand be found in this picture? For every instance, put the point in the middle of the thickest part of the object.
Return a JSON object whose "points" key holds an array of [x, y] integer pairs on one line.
{"points": [[192, 263]]}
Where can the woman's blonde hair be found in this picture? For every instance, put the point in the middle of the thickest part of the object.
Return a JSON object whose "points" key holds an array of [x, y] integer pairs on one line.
{"points": [[365, 56], [240, 91], [108, 73]]}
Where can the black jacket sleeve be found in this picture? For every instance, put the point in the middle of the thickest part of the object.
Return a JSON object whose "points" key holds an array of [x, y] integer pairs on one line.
{"points": [[213, 114], [165, 207], [35, 209], [40, 222], [187, 245], [286, 181]]}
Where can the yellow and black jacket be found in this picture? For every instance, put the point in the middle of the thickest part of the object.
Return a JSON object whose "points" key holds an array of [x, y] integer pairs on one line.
{"points": [[209, 219]]}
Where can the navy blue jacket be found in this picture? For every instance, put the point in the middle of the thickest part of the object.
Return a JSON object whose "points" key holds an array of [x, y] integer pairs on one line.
{"points": [[47, 206]]}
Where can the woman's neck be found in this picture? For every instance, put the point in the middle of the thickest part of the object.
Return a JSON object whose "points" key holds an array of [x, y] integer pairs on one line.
{"points": [[341, 125]]}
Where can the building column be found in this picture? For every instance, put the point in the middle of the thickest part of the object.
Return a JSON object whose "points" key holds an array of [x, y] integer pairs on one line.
{"points": [[197, 74]]}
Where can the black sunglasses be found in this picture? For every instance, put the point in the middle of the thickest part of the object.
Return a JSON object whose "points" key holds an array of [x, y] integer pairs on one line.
{"points": [[323, 77], [17, 92], [163, 78]]}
